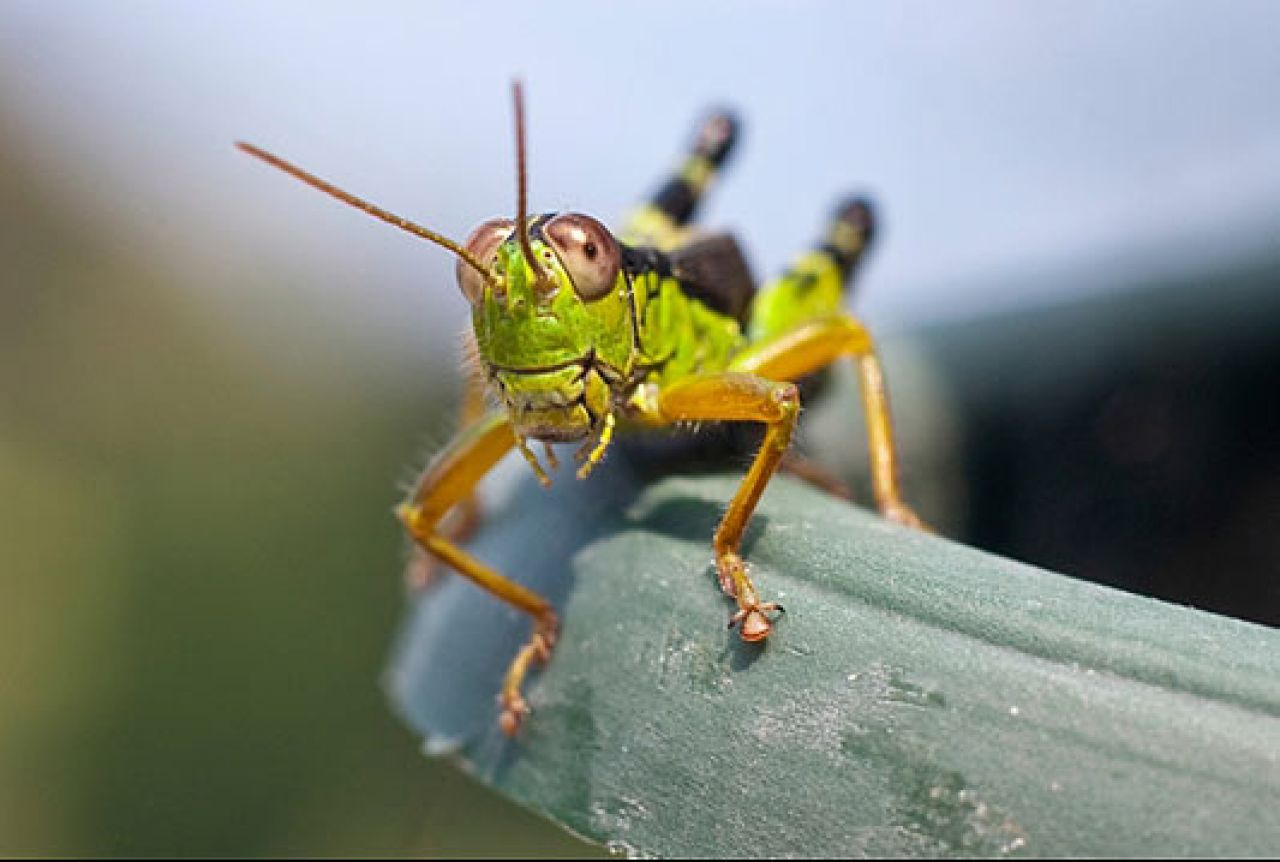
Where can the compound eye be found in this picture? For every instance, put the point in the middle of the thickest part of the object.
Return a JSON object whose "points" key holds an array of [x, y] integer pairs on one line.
{"points": [[483, 243], [588, 251]]}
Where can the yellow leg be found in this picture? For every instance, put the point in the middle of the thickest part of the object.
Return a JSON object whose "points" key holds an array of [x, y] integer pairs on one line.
{"points": [[812, 346], [733, 397], [473, 409], [449, 480], [460, 522], [819, 477]]}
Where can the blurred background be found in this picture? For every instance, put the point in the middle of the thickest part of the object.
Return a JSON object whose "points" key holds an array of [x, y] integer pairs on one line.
{"points": [[214, 382]]}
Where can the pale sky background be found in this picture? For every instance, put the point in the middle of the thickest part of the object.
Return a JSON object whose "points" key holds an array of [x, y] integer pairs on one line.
{"points": [[1007, 143]]}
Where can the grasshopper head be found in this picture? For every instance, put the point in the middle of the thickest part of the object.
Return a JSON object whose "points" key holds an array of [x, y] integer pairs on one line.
{"points": [[551, 318], [550, 305]]}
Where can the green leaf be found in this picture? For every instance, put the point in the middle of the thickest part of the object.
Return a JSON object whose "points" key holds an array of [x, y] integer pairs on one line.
{"points": [[918, 698]]}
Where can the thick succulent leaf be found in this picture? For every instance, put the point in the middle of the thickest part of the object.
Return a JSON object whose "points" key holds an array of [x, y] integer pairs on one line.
{"points": [[918, 698]]}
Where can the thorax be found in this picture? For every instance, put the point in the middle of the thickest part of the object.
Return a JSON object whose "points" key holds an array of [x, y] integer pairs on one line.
{"points": [[677, 335]]}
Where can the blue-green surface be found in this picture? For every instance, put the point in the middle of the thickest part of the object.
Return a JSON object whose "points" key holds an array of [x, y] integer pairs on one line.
{"points": [[919, 698]]}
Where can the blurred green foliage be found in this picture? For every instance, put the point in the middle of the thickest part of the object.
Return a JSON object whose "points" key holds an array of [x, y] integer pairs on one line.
{"points": [[200, 579]]}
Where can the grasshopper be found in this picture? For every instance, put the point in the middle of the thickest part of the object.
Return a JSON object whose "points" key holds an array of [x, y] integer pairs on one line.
{"points": [[580, 333]]}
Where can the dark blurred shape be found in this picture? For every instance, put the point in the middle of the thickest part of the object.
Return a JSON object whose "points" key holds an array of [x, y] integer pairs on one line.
{"points": [[1132, 438]]}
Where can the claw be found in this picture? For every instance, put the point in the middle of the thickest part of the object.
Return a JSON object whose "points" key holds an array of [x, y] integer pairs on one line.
{"points": [[755, 625], [513, 713], [536, 652]]}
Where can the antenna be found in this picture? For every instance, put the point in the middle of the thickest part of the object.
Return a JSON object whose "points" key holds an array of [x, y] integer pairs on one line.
{"points": [[364, 206], [522, 201]]}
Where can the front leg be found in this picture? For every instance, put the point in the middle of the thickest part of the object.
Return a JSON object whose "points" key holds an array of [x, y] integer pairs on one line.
{"points": [[460, 523], [448, 481], [732, 397]]}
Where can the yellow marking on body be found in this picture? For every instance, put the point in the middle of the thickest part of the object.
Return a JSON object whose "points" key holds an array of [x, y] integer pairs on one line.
{"points": [[697, 172], [649, 225], [846, 237]]}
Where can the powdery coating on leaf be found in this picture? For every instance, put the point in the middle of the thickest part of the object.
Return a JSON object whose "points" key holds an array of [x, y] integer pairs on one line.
{"points": [[876, 720]]}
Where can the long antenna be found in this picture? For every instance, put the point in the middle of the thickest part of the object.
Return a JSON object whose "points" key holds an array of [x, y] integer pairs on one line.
{"points": [[522, 199], [364, 206]]}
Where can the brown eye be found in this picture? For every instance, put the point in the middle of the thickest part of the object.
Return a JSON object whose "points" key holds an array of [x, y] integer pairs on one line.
{"points": [[587, 250], [483, 243]]}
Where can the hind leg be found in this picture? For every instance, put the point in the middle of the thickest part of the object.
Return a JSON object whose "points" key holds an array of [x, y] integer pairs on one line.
{"points": [[817, 282], [798, 328], [663, 221], [812, 346]]}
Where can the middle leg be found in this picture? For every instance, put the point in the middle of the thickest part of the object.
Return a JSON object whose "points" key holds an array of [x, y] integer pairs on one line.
{"points": [[448, 480], [814, 345]]}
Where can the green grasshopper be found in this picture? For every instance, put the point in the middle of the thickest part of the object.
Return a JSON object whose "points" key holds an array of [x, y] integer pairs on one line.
{"points": [[580, 333]]}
